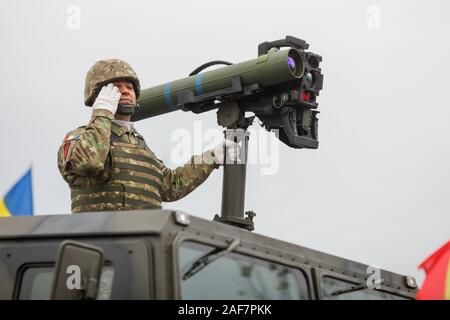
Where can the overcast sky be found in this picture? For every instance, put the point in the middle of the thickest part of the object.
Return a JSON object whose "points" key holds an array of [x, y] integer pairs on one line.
{"points": [[376, 191]]}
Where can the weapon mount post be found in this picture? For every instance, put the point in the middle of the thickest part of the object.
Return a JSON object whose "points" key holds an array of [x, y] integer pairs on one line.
{"points": [[233, 187]]}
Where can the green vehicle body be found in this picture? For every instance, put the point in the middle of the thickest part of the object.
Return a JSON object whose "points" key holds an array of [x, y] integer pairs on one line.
{"points": [[147, 253]]}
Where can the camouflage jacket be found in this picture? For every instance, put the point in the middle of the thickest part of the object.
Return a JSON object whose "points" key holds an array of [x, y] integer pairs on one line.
{"points": [[84, 160]]}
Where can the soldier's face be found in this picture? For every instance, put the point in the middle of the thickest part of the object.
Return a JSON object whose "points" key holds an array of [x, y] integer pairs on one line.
{"points": [[127, 92]]}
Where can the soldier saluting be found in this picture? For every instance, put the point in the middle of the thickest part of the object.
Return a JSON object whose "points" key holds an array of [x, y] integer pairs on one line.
{"points": [[107, 163]]}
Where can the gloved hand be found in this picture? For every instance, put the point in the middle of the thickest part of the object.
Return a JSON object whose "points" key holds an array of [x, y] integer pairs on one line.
{"points": [[232, 149], [108, 98]]}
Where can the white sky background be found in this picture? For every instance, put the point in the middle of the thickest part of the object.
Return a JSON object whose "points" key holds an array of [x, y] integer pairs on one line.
{"points": [[376, 191]]}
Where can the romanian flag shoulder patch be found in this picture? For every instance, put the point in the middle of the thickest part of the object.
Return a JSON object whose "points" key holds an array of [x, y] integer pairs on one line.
{"points": [[70, 137], [67, 145]]}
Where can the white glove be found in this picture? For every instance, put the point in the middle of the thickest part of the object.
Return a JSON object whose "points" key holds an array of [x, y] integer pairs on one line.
{"points": [[108, 98], [232, 149]]}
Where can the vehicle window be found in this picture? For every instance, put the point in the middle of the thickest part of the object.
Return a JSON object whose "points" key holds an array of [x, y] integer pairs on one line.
{"points": [[37, 283], [331, 288], [236, 276]]}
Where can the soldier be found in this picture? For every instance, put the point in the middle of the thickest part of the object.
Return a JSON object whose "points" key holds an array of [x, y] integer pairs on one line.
{"points": [[107, 163]]}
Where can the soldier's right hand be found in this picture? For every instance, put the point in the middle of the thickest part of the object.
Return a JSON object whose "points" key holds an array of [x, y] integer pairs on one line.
{"points": [[108, 98]]}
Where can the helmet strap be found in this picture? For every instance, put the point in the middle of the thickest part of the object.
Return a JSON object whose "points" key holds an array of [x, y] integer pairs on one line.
{"points": [[126, 109]]}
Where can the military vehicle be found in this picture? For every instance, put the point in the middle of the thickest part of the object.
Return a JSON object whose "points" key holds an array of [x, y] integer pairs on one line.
{"points": [[165, 254]]}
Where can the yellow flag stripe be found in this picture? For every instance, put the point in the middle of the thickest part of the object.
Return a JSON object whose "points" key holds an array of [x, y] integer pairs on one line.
{"points": [[4, 212], [447, 283]]}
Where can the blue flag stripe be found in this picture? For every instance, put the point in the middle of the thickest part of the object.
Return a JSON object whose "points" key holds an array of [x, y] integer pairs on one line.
{"points": [[19, 200]]}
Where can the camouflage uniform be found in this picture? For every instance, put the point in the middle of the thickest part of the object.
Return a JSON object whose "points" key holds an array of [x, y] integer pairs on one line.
{"points": [[109, 168]]}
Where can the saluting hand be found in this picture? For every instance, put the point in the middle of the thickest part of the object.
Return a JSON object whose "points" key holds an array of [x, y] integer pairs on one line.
{"points": [[108, 98]]}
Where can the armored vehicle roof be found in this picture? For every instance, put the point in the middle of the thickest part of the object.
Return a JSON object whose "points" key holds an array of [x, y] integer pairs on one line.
{"points": [[169, 224]]}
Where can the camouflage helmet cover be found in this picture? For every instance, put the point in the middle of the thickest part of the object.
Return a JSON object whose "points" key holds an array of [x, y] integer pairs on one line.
{"points": [[105, 71]]}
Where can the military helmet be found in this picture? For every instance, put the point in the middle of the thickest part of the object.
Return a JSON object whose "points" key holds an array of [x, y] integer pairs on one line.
{"points": [[105, 71]]}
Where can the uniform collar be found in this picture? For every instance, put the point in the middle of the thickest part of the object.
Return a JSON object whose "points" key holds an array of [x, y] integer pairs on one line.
{"points": [[118, 130]]}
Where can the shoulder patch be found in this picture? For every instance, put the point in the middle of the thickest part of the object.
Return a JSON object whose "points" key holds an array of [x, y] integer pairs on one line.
{"points": [[71, 136], [67, 145]]}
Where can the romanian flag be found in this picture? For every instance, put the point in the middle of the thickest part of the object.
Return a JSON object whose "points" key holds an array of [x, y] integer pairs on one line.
{"points": [[437, 283], [19, 200]]}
